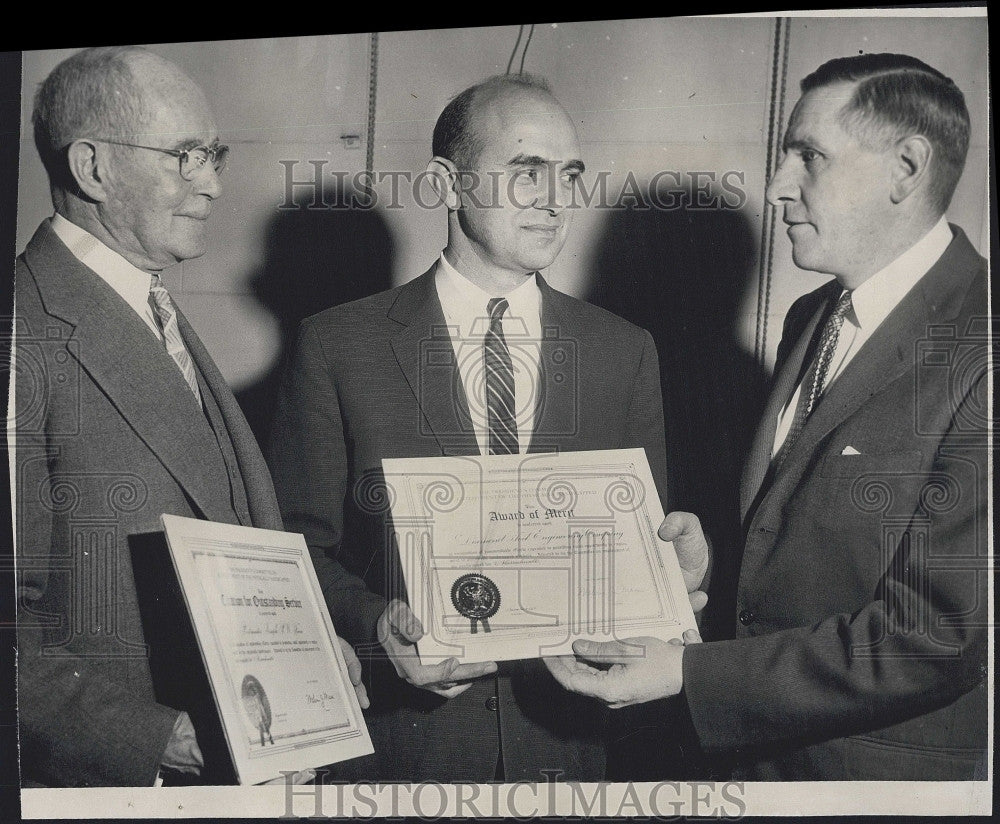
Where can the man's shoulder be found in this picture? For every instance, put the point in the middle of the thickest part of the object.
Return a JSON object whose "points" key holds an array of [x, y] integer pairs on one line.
{"points": [[592, 317], [358, 313]]}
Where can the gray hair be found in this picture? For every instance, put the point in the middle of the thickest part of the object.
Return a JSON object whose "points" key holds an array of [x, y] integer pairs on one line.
{"points": [[92, 93]]}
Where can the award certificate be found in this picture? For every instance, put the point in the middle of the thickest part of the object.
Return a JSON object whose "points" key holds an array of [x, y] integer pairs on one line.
{"points": [[276, 668], [516, 556]]}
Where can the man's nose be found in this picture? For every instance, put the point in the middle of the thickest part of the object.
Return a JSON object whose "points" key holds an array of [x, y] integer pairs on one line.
{"points": [[207, 182], [782, 188], [555, 196]]}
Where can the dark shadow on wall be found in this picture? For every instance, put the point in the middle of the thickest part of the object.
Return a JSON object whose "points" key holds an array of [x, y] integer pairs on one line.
{"points": [[316, 258], [681, 275]]}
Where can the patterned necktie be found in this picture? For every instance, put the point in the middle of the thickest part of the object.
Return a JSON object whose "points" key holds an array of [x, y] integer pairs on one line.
{"points": [[499, 384], [814, 382], [166, 313]]}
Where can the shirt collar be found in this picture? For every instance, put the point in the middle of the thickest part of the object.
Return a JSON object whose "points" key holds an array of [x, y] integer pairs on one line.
{"points": [[464, 303], [127, 280], [874, 299]]}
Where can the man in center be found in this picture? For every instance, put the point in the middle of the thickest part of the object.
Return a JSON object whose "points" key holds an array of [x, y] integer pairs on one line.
{"points": [[478, 356]]}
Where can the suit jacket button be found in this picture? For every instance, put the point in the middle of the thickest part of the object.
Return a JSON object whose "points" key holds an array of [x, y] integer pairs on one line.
{"points": [[492, 703], [747, 617]]}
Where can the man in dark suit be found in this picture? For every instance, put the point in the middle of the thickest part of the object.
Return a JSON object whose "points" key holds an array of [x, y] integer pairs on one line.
{"points": [[416, 371], [859, 649], [120, 416]]}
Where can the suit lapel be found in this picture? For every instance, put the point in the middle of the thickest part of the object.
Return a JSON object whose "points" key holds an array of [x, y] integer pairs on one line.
{"points": [[556, 411], [253, 471], [423, 349], [140, 379], [887, 355]]}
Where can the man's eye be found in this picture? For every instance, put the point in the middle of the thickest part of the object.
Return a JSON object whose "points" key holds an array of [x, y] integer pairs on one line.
{"points": [[527, 176], [808, 155], [570, 178]]}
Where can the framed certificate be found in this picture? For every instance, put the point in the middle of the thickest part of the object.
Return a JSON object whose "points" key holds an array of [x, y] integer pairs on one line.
{"points": [[517, 556], [275, 666]]}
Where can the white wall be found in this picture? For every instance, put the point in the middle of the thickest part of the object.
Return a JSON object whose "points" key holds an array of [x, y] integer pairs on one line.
{"points": [[647, 95]]}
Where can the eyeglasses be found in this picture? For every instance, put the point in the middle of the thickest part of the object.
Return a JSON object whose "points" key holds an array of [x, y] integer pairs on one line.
{"points": [[191, 160]]}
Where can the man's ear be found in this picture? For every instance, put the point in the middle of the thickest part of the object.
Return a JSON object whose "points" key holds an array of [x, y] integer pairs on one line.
{"points": [[87, 169], [444, 179], [911, 167]]}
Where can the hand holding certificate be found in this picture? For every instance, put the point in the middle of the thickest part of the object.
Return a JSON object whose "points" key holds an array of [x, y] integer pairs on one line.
{"points": [[278, 674], [518, 556]]}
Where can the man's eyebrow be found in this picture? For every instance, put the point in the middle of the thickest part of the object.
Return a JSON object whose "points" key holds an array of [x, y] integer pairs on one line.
{"points": [[800, 142], [538, 160], [193, 142]]}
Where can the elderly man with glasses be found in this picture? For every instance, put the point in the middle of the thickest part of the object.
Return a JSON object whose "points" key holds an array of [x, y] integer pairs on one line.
{"points": [[120, 415]]}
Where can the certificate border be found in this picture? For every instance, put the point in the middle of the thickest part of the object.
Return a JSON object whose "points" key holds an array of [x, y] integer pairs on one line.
{"points": [[252, 768]]}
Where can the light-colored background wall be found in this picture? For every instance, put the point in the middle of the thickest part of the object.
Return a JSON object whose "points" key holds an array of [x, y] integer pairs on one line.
{"points": [[647, 95], [678, 95]]}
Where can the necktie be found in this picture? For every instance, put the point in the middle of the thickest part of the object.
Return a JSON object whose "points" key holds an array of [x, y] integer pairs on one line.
{"points": [[814, 381], [499, 384], [166, 313]]}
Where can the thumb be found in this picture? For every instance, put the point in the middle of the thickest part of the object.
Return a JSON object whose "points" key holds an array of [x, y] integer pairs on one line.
{"points": [[684, 530]]}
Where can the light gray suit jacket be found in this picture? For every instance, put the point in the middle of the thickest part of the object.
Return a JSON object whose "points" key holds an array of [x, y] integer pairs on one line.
{"points": [[109, 437]]}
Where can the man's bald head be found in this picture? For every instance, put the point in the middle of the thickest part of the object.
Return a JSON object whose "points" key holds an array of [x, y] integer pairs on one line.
{"points": [[458, 133], [101, 92]]}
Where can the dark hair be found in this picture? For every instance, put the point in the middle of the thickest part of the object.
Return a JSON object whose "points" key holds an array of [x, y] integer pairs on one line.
{"points": [[92, 93], [896, 96], [455, 135]]}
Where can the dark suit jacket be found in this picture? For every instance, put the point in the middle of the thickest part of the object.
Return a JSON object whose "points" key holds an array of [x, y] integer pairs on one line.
{"points": [[377, 379], [860, 640], [109, 437]]}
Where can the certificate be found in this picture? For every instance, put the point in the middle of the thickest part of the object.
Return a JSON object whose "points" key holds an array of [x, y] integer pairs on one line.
{"points": [[516, 556], [277, 672]]}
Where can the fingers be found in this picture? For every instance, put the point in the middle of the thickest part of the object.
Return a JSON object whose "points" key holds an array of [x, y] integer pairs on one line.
{"points": [[610, 652], [449, 671], [354, 672], [691, 636], [301, 777], [698, 600], [676, 524], [402, 620]]}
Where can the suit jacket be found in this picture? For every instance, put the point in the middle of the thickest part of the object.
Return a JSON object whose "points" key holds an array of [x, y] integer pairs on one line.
{"points": [[109, 437], [860, 621], [377, 378]]}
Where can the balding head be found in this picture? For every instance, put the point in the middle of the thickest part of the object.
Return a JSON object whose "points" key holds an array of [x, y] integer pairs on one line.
{"points": [[460, 132], [109, 93]]}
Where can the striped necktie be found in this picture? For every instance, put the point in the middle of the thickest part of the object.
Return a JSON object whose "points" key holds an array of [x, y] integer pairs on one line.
{"points": [[499, 384], [166, 314], [814, 382]]}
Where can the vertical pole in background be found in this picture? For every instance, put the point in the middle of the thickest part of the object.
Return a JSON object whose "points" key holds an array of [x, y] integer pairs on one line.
{"points": [[372, 89], [776, 118]]}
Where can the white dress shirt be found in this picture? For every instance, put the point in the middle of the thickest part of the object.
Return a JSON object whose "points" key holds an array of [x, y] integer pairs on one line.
{"points": [[127, 280], [465, 312], [871, 304]]}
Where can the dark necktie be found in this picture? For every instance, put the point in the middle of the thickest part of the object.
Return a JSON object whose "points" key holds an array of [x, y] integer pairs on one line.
{"points": [[499, 384], [814, 381], [166, 313]]}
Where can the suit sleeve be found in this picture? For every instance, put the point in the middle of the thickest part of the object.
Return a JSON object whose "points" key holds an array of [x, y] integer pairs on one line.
{"points": [[916, 646], [309, 464], [78, 726]]}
